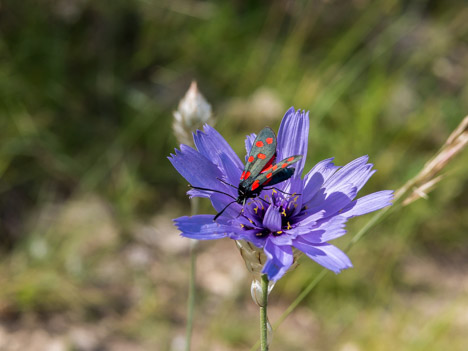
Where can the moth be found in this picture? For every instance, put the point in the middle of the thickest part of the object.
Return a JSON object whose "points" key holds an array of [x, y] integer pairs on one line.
{"points": [[260, 170]]}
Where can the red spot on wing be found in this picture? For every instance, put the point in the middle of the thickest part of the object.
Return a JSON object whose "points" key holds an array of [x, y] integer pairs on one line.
{"points": [[261, 156], [255, 185], [251, 158], [269, 164], [242, 176], [284, 165], [290, 159], [269, 140], [269, 175], [247, 175], [275, 167], [259, 143]]}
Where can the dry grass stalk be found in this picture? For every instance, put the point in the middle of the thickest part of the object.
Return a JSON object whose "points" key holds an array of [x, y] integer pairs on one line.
{"points": [[428, 177]]}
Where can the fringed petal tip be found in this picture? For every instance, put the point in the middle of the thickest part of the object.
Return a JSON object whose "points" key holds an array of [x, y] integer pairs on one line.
{"points": [[369, 203], [202, 227]]}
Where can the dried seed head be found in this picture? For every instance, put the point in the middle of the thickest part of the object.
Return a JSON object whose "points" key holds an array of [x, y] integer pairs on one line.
{"points": [[192, 113], [426, 180]]}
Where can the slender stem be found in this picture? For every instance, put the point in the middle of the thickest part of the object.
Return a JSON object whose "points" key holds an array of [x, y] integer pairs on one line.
{"points": [[191, 292], [191, 298], [263, 315]]}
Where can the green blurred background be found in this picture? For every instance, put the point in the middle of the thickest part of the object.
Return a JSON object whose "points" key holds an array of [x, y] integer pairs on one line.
{"points": [[89, 257]]}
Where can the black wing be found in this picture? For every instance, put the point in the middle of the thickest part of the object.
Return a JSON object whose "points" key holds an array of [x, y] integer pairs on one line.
{"points": [[276, 173], [261, 156]]}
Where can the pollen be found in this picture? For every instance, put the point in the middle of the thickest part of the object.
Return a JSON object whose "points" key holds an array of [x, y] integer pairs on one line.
{"points": [[256, 210], [284, 212], [242, 226], [289, 226]]}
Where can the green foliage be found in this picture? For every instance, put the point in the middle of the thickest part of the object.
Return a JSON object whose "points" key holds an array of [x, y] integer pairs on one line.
{"points": [[87, 91]]}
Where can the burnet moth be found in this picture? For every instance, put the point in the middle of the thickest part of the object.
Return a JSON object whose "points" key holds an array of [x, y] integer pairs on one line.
{"points": [[260, 170]]}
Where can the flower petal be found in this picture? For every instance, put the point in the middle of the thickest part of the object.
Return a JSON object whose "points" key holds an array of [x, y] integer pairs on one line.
{"points": [[316, 177], [220, 202], [197, 170], [328, 230], [308, 223], [357, 172], [369, 203], [280, 240], [202, 227], [293, 135], [211, 145], [333, 202], [272, 219], [280, 258], [232, 174], [326, 255], [249, 140]]}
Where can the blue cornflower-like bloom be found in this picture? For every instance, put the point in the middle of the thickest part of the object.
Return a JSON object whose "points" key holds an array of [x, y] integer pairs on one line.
{"points": [[316, 213]]}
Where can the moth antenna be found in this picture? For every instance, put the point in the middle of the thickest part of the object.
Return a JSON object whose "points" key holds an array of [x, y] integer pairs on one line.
{"points": [[213, 190], [222, 181], [220, 213]]}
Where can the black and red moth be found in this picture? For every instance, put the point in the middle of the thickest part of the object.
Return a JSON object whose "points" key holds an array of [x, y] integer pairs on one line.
{"points": [[260, 170]]}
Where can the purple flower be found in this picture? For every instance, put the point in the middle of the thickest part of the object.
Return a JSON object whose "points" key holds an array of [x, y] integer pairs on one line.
{"points": [[317, 212]]}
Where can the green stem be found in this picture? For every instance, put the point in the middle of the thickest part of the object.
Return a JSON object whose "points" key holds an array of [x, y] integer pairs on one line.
{"points": [[263, 315], [191, 298], [191, 292]]}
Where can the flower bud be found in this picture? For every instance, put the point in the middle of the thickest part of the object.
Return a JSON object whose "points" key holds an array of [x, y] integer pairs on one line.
{"points": [[192, 113]]}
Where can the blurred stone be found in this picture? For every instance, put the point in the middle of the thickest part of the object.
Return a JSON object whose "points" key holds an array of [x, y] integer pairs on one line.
{"points": [[138, 256], [350, 347], [126, 345], [83, 339], [178, 343]]}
